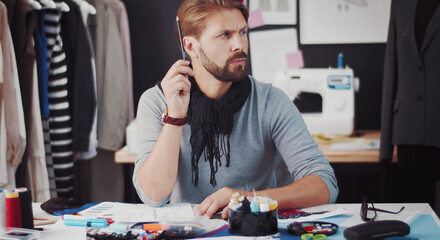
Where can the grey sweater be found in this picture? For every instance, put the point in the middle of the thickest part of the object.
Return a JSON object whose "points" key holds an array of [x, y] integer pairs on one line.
{"points": [[267, 128]]}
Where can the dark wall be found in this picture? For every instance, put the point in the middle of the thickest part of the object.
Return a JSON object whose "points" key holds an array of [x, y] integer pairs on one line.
{"points": [[154, 50], [153, 46]]}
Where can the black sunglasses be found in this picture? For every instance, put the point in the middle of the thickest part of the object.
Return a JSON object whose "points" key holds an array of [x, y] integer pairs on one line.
{"points": [[364, 211]]}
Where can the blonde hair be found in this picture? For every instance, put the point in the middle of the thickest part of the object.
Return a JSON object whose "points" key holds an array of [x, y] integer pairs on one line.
{"points": [[193, 15]]}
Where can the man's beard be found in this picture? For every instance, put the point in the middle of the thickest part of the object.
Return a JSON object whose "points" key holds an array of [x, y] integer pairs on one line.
{"points": [[223, 73]]}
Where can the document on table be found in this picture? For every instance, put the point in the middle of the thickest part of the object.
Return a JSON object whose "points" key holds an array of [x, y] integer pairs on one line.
{"points": [[130, 212], [331, 213], [359, 144]]}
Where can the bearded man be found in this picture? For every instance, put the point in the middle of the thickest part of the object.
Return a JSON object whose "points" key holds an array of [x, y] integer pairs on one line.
{"points": [[211, 130]]}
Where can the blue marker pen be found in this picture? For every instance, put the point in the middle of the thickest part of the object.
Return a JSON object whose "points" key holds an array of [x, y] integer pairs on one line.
{"points": [[96, 223]]}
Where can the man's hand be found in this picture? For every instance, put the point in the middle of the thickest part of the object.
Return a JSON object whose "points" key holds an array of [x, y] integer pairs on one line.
{"points": [[176, 88], [216, 201]]}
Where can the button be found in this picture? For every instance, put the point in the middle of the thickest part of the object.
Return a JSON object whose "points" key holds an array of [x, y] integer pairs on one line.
{"points": [[419, 68], [420, 97]]}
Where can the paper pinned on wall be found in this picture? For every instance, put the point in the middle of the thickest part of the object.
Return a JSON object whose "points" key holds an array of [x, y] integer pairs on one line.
{"points": [[255, 19], [295, 59], [275, 12], [269, 49], [344, 21]]}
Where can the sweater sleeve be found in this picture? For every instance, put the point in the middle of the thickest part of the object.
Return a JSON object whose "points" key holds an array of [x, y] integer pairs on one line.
{"points": [[294, 143], [149, 125]]}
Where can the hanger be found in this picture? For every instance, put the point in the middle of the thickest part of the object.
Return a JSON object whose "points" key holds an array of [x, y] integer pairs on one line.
{"points": [[49, 4], [63, 6], [35, 5], [84, 4]]}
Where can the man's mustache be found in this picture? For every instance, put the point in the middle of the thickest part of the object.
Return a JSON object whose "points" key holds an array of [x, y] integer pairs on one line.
{"points": [[237, 56]]}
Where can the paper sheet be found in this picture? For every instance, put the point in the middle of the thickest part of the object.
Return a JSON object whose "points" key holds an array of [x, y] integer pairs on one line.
{"points": [[129, 212], [312, 217], [362, 144], [269, 50], [275, 12], [347, 21]]}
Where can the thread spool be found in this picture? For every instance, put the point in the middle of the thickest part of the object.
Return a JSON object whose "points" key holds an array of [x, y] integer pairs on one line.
{"points": [[340, 60], [2, 211], [27, 217], [120, 227], [13, 211]]}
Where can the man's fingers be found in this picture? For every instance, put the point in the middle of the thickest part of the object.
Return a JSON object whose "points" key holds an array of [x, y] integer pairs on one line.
{"points": [[212, 208], [201, 209], [181, 67], [225, 212], [177, 83], [185, 70]]}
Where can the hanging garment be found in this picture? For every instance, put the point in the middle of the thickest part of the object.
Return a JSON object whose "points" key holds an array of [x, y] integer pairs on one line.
{"points": [[12, 106], [111, 70], [32, 172], [60, 123], [93, 145], [120, 12], [3, 165], [410, 99], [80, 74], [41, 56]]}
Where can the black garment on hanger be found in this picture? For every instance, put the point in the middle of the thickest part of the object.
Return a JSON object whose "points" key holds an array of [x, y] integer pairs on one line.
{"points": [[424, 12]]}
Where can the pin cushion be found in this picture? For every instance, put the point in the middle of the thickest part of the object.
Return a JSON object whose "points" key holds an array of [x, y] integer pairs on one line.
{"points": [[252, 216]]}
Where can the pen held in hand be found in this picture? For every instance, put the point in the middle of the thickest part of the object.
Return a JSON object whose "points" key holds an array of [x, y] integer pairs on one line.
{"points": [[181, 39]]}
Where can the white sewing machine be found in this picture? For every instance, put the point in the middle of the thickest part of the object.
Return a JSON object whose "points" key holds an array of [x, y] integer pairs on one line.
{"points": [[336, 87]]}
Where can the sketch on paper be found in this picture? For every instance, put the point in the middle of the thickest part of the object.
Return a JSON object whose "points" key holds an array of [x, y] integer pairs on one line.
{"points": [[275, 12], [344, 21]]}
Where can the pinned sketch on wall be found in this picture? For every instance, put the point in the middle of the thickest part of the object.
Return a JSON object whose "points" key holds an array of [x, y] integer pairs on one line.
{"points": [[274, 12], [344, 21], [273, 52]]}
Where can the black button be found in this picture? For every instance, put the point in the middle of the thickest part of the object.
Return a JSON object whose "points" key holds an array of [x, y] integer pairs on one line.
{"points": [[419, 68], [420, 97]]}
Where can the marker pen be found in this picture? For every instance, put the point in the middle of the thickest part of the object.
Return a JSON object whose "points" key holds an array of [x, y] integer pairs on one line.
{"points": [[96, 223]]}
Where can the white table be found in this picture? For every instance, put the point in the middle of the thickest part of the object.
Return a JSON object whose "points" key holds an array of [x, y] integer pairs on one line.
{"points": [[59, 231]]}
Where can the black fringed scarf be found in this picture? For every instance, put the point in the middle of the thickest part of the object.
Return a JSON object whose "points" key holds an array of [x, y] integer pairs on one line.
{"points": [[211, 125]]}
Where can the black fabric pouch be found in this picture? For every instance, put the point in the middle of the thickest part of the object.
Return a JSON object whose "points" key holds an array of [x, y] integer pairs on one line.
{"points": [[377, 230]]}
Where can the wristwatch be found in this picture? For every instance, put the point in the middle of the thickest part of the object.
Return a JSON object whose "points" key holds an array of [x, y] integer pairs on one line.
{"points": [[173, 121]]}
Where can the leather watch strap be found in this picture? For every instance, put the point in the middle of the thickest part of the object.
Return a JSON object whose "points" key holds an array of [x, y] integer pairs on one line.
{"points": [[173, 121]]}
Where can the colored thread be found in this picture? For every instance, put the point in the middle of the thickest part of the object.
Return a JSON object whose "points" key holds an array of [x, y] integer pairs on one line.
{"points": [[2, 211], [254, 207], [27, 217], [340, 60], [273, 204], [120, 227], [264, 207], [13, 211]]}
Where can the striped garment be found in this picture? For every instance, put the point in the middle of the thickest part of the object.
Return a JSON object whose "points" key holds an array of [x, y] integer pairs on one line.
{"points": [[41, 59], [60, 122]]}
